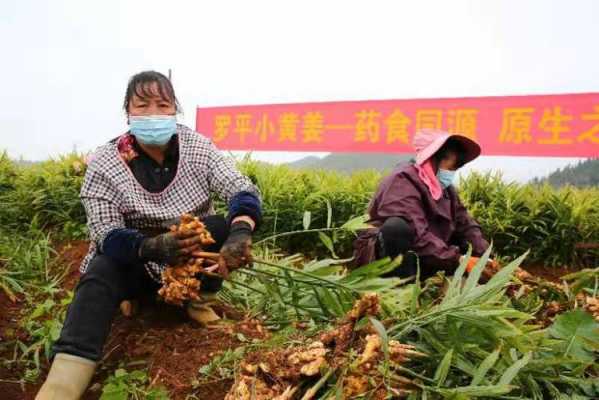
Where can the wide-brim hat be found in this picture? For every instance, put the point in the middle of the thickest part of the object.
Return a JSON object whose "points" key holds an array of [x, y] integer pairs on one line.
{"points": [[428, 141]]}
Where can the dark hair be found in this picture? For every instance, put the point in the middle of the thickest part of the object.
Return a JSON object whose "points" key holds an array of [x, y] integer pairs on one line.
{"points": [[139, 85], [451, 146]]}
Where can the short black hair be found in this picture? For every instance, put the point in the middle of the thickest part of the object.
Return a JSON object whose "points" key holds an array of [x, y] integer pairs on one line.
{"points": [[139, 85], [451, 146]]}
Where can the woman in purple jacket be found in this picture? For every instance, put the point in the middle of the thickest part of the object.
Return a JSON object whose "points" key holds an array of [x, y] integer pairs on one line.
{"points": [[417, 212]]}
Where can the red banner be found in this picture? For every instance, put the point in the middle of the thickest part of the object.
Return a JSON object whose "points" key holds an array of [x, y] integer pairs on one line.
{"points": [[550, 125]]}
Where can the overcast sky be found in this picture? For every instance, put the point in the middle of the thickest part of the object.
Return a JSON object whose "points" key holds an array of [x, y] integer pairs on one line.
{"points": [[65, 64]]}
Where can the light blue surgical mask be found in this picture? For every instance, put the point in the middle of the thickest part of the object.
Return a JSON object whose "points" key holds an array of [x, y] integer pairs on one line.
{"points": [[445, 177], [153, 129]]}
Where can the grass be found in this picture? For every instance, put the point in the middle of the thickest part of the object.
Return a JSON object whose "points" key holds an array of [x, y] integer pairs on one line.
{"points": [[42, 325], [31, 275]]}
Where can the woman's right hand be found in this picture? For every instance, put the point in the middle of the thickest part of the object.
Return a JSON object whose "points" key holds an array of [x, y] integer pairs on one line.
{"points": [[491, 268], [169, 247]]}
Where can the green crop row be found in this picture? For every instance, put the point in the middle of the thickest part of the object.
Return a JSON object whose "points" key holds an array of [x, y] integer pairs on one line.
{"points": [[552, 223], [549, 222]]}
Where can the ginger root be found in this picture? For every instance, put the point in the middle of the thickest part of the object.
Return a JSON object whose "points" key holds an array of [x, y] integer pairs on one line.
{"points": [[179, 282]]}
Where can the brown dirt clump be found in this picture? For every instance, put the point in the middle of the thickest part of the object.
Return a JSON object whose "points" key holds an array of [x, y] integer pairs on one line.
{"points": [[173, 348], [11, 386], [69, 256], [552, 274]]}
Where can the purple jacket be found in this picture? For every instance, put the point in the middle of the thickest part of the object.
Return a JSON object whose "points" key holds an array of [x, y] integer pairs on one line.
{"points": [[441, 227]]}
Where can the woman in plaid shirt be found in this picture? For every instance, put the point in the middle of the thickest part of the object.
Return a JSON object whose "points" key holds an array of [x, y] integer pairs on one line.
{"points": [[135, 187]]}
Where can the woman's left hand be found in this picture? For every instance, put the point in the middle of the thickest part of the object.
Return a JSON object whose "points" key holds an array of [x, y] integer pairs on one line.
{"points": [[490, 270], [237, 249]]}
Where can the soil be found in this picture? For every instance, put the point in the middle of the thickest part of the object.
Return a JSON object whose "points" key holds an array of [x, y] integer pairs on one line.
{"points": [[10, 373], [552, 274], [69, 257], [160, 338]]}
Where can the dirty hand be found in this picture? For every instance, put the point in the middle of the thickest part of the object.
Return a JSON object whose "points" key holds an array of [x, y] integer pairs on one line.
{"points": [[237, 250], [169, 247], [491, 268]]}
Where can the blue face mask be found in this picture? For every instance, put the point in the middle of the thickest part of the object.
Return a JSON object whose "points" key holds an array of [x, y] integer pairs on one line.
{"points": [[153, 129], [445, 177]]}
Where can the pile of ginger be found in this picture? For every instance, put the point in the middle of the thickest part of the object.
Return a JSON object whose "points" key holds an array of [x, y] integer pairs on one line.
{"points": [[180, 282]]}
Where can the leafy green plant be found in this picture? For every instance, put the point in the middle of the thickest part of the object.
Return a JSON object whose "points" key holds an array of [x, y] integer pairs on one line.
{"points": [[585, 281], [478, 344], [131, 385], [27, 255], [549, 222], [494, 349], [579, 334], [330, 198], [47, 193], [222, 366], [319, 291], [11, 283], [8, 173], [43, 326]]}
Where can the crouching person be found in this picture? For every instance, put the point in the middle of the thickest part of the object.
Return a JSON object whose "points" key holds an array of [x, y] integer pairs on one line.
{"points": [[416, 211], [135, 186]]}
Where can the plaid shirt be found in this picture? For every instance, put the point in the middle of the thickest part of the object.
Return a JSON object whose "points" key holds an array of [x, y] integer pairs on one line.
{"points": [[113, 198]]}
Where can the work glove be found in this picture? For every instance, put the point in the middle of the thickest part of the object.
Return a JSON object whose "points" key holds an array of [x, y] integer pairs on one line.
{"points": [[237, 249], [170, 248]]}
